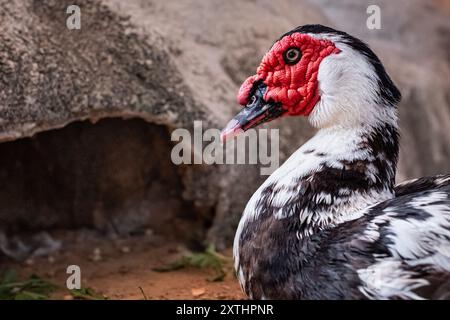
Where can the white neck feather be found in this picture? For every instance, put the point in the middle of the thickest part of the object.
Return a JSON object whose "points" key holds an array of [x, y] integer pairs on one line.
{"points": [[349, 92]]}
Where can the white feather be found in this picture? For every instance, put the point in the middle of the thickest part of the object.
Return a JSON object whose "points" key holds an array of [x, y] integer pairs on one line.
{"points": [[387, 279], [348, 90]]}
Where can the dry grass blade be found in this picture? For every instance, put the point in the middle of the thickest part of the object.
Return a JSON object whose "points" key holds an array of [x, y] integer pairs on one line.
{"points": [[86, 294], [209, 259]]}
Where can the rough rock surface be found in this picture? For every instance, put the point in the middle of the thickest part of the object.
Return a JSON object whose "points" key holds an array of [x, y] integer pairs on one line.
{"points": [[173, 62]]}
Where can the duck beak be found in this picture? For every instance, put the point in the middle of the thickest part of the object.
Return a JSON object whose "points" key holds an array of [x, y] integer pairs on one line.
{"points": [[256, 112]]}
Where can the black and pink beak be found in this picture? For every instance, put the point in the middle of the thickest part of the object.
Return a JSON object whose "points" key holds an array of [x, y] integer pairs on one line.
{"points": [[256, 111]]}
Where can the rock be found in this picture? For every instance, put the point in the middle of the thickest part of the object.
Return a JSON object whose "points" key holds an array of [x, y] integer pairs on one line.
{"points": [[197, 292], [125, 249], [96, 255], [29, 247], [127, 61]]}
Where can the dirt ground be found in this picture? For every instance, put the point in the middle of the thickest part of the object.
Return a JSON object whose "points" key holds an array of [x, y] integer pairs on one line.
{"points": [[123, 268]]}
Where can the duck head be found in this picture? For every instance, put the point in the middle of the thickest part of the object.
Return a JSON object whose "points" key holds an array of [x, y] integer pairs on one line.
{"points": [[321, 73]]}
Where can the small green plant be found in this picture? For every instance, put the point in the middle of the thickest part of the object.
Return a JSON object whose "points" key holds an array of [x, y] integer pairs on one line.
{"points": [[31, 288], [210, 259], [86, 294]]}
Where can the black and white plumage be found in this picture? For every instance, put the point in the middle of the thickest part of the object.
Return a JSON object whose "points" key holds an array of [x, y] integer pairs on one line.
{"points": [[330, 223]]}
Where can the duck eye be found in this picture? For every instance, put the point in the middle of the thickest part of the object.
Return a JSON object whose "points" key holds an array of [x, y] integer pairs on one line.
{"points": [[292, 55]]}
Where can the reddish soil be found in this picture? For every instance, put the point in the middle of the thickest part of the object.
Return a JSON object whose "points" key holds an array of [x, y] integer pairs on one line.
{"points": [[119, 268]]}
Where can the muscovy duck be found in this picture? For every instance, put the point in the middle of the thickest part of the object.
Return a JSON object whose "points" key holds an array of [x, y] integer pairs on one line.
{"points": [[330, 223]]}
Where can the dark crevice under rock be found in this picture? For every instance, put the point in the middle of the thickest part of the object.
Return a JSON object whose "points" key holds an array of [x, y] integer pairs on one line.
{"points": [[115, 175]]}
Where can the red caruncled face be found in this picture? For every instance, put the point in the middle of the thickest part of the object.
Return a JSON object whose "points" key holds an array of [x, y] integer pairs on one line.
{"points": [[289, 70]]}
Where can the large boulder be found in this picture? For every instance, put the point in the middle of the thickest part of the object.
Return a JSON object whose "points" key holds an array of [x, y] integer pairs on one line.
{"points": [[169, 63]]}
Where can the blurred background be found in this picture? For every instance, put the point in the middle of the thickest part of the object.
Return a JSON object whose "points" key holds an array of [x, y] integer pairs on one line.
{"points": [[86, 117]]}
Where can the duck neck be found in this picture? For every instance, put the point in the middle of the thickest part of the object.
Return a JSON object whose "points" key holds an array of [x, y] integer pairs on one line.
{"points": [[365, 155], [358, 172], [341, 171]]}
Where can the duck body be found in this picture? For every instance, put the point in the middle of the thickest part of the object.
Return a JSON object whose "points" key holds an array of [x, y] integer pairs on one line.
{"points": [[371, 257], [330, 223]]}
